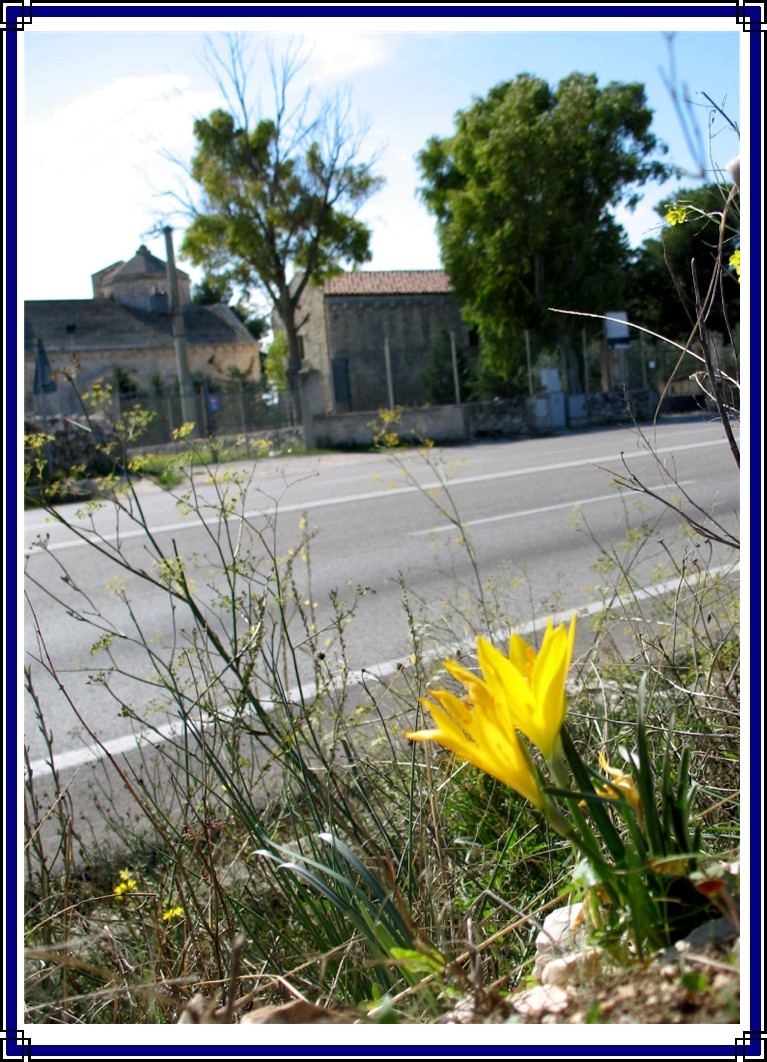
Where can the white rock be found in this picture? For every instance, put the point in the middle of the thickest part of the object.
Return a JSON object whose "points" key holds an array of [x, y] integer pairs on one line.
{"points": [[558, 938], [539, 1001], [571, 967]]}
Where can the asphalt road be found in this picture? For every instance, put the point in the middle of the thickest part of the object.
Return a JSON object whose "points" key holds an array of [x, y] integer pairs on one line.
{"points": [[374, 524]]}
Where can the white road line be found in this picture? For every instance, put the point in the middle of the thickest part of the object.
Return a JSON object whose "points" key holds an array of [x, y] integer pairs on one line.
{"points": [[543, 509], [127, 743], [346, 499]]}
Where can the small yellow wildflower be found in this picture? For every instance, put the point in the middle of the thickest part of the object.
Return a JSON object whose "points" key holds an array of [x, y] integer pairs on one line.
{"points": [[171, 913], [128, 884], [735, 262], [676, 215], [522, 692]]}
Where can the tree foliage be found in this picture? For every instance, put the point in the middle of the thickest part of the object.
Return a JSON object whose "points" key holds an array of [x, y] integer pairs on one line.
{"points": [[522, 194], [276, 362], [280, 194], [438, 375], [660, 292]]}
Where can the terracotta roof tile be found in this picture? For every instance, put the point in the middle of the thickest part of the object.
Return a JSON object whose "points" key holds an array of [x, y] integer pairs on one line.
{"points": [[390, 282]]}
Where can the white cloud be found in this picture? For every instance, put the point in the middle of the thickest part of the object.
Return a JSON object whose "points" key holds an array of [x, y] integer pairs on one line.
{"points": [[90, 174], [336, 54]]}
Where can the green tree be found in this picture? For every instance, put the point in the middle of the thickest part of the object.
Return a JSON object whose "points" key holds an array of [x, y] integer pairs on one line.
{"points": [[211, 291], [280, 194], [438, 376], [659, 284], [522, 194], [276, 362]]}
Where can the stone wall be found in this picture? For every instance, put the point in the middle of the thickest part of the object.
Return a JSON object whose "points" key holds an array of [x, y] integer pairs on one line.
{"points": [[315, 345], [621, 407], [501, 418], [357, 328], [440, 424], [76, 443], [504, 418]]}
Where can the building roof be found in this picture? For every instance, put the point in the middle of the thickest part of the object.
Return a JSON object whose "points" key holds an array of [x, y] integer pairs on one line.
{"points": [[102, 273], [143, 262], [72, 325], [390, 282]]}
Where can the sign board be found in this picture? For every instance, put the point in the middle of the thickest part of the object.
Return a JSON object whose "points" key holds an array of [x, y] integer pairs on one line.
{"points": [[550, 380], [617, 331]]}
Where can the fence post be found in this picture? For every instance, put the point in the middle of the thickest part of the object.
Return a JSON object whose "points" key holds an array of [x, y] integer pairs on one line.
{"points": [[529, 363], [456, 378], [169, 403], [585, 363], [205, 407], [389, 381], [243, 417]]}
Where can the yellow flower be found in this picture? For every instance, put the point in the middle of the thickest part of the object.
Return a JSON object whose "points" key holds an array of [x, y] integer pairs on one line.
{"points": [[126, 885], [522, 692], [676, 215], [621, 781], [527, 688], [735, 262], [171, 913], [474, 734]]}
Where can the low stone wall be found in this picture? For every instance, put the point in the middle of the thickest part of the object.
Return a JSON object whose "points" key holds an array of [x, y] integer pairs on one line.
{"points": [[281, 439], [504, 418], [441, 424], [75, 443], [501, 418], [621, 407]]}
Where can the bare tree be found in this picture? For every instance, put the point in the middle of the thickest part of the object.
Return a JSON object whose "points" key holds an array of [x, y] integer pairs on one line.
{"points": [[278, 195]]}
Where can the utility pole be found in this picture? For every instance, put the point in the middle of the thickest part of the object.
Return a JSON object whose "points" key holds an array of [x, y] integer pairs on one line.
{"points": [[188, 405]]}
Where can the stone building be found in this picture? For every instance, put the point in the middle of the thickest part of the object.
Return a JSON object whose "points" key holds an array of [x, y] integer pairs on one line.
{"points": [[127, 326], [348, 322]]}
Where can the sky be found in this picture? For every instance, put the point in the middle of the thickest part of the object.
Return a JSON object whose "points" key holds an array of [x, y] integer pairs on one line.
{"points": [[104, 108]]}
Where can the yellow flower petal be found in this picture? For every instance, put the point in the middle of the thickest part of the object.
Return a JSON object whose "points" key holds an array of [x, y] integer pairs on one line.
{"points": [[620, 781], [524, 691]]}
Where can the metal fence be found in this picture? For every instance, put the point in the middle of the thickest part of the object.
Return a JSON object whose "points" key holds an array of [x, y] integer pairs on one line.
{"points": [[237, 408]]}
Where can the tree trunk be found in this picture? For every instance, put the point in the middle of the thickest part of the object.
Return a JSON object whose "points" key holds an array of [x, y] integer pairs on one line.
{"points": [[287, 312]]}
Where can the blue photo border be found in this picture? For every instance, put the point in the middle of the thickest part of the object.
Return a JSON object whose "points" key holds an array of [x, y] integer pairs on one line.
{"points": [[18, 1043]]}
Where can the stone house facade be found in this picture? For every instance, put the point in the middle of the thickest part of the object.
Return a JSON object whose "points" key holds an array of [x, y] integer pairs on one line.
{"points": [[127, 325], [355, 320]]}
